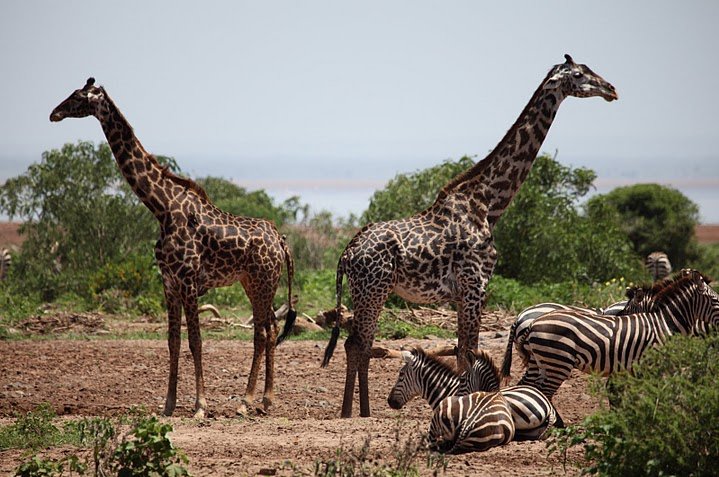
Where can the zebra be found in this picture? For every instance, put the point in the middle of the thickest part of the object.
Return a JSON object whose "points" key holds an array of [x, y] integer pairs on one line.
{"points": [[5, 262], [658, 265], [471, 423], [520, 327], [426, 375], [563, 340]]}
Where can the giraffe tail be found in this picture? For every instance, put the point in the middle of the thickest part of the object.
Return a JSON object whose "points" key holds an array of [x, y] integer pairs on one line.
{"points": [[291, 314], [336, 329], [507, 361]]}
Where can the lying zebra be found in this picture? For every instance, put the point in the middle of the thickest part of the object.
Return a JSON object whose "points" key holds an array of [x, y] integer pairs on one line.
{"points": [[471, 423], [560, 341], [427, 375]]}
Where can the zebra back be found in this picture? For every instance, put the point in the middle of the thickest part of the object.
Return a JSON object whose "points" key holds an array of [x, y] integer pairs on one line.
{"points": [[658, 265], [532, 412], [475, 422], [426, 375]]}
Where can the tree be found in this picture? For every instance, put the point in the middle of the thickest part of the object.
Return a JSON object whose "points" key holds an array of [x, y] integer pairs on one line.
{"points": [[542, 236], [78, 215], [236, 200], [655, 218]]}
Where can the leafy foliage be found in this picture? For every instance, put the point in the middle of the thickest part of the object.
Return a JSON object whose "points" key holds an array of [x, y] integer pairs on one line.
{"points": [[408, 194], [655, 217], [237, 200], [541, 236], [79, 215], [664, 417], [35, 430], [149, 452]]}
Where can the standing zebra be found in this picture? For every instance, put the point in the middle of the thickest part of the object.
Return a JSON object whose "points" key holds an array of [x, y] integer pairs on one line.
{"points": [[5, 261], [520, 327], [426, 375], [563, 340], [658, 265], [471, 423]]}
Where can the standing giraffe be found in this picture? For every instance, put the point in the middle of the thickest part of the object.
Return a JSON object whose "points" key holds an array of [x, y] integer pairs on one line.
{"points": [[200, 247], [446, 253]]}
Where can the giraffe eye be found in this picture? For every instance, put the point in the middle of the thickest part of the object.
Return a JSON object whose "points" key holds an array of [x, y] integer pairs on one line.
{"points": [[577, 74]]}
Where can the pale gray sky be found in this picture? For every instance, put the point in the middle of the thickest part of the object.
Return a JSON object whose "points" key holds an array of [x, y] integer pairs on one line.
{"points": [[302, 95]]}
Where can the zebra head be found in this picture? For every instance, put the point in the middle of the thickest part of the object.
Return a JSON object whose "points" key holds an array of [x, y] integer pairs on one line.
{"points": [[640, 299], [422, 374], [482, 375]]}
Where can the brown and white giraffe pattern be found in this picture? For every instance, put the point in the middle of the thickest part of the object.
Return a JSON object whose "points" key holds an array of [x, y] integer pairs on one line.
{"points": [[446, 253], [200, 247]]}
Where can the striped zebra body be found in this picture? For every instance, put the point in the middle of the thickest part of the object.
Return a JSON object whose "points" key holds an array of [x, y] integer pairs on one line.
{"points": [[431, 378], [5, 262], [658, 265], [471, 423], [520, 327], [561, 341]]}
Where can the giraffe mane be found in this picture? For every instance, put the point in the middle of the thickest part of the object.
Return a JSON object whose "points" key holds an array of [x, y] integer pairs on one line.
{"points": [[185, 182], [482, 165]]}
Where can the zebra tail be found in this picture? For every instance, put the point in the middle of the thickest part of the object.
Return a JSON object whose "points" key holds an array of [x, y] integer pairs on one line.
{"points": [[507, 361], [338, 317], [291, 314]]}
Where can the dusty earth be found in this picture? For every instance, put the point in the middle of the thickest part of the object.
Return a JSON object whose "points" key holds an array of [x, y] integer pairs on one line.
{"points": [[102, 377]]}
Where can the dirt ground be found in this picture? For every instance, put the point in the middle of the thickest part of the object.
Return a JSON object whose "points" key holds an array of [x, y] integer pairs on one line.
{"points": [[100, 377]]}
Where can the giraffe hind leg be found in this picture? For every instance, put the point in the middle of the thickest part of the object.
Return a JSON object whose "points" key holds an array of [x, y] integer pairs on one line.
{"points": [[271, 343], [195, 340], [174, 320]]}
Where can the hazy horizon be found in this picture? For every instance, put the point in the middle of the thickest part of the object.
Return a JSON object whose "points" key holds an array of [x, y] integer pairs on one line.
{"points": [[344, 96]]}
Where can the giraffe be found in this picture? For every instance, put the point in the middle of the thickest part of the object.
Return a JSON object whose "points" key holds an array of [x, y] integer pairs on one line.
{"points": [[200, 247], [446, 252]]}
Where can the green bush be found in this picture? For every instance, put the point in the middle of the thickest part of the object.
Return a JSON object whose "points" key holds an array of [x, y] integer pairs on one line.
{"points": [[35, 430], [664, 418], [149, 452], [655, 218]]}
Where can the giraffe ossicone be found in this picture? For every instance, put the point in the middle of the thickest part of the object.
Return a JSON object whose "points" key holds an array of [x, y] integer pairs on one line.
{"points": [[200, 247]]}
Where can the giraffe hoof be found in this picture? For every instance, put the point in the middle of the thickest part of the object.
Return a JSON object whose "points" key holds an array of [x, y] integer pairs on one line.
{"points": [[266, 404], [242, 409], [199, 414]]}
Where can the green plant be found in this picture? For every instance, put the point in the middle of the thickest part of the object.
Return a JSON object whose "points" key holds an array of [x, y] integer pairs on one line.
{"points": [[34, 430], [664, 416], [148, 452], [37, 467]]}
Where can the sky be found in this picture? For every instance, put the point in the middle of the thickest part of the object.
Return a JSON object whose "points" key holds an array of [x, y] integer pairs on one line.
{"points": [[330, 99]]}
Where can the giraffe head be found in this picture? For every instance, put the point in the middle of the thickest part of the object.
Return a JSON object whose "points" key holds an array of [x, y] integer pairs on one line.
{"points": [[82, 102], [578, 80]]}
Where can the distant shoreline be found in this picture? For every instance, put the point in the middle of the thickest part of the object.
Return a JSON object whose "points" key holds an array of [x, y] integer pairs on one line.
{"points": [[10, 238]]}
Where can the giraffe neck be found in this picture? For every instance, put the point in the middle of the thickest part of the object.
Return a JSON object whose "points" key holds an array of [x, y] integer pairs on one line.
{"points": [[146, 176], [494, 181]]}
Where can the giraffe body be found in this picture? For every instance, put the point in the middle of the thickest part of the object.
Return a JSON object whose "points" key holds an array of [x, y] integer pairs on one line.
{"points": [[200, 247], [446, 253]]}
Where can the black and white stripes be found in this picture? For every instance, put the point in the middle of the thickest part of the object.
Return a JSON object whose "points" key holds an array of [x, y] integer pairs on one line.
{"points": [[560, 341], [5, 262], [658, 265]]}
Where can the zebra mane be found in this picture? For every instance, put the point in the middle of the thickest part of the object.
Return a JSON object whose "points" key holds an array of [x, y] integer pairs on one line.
{"points": [[485, 358], [680, 283], [448, 365]]}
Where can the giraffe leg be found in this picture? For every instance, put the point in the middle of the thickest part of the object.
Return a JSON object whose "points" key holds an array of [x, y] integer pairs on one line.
{"points": [[174, 320], [195, 339], [271, 327], [358, 347], [469, 313], [260, 340]]}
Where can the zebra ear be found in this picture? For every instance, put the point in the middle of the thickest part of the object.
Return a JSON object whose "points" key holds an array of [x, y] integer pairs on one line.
{"points": [[407, 356], [629, 292], [471, 357], [698, 279], [639, 294]]}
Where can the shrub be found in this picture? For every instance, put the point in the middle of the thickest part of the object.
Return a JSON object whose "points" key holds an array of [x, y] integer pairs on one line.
{"points": [[664, 417], [654, 217]]}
